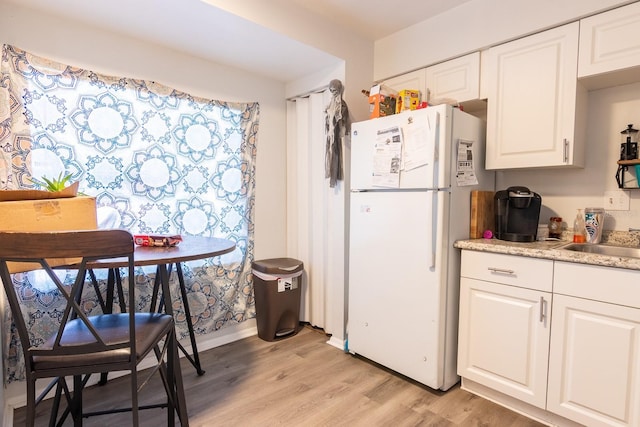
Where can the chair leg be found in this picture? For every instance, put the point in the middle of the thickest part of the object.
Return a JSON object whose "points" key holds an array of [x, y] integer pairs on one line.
{"points": [[171, 382], [76, 407], [134, 397], [56, 405], [31, 402]]}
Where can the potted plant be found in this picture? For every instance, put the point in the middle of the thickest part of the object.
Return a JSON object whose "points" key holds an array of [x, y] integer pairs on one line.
{"points": [[58, 185]]}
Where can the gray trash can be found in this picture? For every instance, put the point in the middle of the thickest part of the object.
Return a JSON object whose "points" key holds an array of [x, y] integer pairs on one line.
{"points": [[276, 287]]}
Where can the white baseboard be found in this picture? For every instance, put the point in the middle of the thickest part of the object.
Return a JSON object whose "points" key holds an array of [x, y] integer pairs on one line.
{"points": [[337, 343], [513, 404], [15, 393]]}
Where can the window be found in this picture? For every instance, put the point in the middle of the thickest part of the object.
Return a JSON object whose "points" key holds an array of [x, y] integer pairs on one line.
{"points": [[157, 160]]}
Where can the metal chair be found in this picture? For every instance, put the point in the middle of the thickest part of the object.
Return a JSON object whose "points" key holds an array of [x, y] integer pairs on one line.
{"points": [[83, 345]]}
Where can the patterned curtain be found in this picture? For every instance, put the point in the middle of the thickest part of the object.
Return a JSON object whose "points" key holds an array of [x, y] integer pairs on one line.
{"points": [[157, 160]]}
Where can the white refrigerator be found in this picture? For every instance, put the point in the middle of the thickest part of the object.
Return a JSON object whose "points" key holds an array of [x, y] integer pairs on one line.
{"points": [[411, 178]]}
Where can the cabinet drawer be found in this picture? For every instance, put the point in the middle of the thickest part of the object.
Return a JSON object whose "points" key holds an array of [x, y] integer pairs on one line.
{"points": [[532, 273], [606, 284]]}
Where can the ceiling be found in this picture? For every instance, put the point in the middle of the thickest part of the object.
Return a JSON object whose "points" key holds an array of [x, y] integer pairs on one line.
{"points": [[200, 29], [375, 19]]}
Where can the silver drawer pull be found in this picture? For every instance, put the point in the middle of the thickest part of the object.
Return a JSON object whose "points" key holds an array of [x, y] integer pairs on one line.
{"points": [[500, 270]]}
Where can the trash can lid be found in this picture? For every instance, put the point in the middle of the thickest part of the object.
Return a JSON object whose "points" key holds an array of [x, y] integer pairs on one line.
{"points": [[278, 265]]}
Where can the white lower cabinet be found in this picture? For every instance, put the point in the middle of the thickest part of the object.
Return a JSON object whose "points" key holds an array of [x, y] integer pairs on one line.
{"points": [[504, 340], [578, 366], [594, 362], [504, 326]]}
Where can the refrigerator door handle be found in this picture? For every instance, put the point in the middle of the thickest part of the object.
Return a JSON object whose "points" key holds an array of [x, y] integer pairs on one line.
{"points": [[434, 229], [436, 151]]}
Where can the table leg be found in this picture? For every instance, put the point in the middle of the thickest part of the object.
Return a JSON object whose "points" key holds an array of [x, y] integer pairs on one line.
{"points": [[94, 282], [187, 313], [111, 283], [163, 272], [118, 280], [156, 289]]}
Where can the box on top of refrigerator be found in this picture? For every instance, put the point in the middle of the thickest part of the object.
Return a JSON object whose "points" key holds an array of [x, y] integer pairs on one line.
{"points": [[408, 99], [382, 101]]}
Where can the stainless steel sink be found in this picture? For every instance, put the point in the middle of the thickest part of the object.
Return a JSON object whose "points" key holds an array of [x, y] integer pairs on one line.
{"points": [[601, 249]]}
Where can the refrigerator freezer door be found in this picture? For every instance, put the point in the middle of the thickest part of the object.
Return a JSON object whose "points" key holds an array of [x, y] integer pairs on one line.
{"points": [[395, 291], [420, 132]]}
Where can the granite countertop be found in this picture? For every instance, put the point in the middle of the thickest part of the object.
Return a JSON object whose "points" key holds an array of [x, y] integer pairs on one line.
{"points": [[551, 249]]}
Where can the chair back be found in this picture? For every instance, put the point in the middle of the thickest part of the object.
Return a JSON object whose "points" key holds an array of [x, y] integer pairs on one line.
{"points": [[75, 333]]}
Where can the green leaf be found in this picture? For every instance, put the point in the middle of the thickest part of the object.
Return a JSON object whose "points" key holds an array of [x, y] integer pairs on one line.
{"points": [[54, 184]]}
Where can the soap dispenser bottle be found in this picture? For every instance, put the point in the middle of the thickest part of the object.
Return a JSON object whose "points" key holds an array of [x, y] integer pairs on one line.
{"points": [[579, 228]]}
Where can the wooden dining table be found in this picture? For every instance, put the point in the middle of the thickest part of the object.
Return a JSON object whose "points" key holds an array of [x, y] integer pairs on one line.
{"points": [[191, 248]]}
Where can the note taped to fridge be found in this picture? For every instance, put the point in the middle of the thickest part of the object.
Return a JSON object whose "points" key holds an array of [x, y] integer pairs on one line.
{"points": [[419, 143], [387, 158], [465, 173]]}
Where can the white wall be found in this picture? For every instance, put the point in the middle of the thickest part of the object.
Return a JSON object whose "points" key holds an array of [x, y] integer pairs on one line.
{"points": [[77, 44], [285, 17]]}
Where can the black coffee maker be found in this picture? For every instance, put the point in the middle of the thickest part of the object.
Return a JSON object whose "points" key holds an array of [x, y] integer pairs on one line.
{"points": [[517, 211]]}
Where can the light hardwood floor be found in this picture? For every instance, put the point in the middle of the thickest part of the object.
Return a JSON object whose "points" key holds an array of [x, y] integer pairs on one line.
{"points": [[299, 381]]}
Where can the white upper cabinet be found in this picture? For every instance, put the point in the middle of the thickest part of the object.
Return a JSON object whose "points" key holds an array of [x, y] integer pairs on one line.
{"points": [[457, 79], [610, 47], [536, 109], [484, 75], [414, 80]]}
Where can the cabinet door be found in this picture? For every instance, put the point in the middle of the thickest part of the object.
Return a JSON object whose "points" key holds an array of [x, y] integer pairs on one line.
{"points": [[504, 339], [457, 79], [414, 80], [594, 364], [609, 44], [535, 104]]}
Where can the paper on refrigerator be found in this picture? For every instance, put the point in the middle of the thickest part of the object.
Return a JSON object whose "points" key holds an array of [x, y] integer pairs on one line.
{"points": [[387, 158], [465, 171], [419, 144]]}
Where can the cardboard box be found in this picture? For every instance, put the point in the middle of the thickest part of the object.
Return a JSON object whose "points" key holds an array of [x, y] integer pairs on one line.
{"points": [[73, 213], [408, 99], [382, 101]]}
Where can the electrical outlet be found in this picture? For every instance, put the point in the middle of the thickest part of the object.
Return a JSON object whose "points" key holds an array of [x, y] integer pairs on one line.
{"points": [[616, 200]]}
